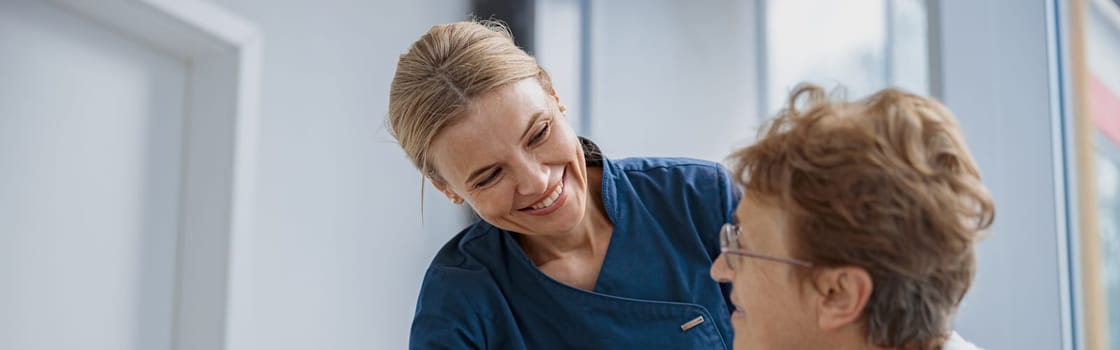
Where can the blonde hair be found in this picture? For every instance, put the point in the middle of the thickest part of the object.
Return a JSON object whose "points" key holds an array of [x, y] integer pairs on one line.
{"points": [[443, 72], [886, 184]]}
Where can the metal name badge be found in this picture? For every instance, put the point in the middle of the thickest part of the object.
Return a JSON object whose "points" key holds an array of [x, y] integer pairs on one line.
{"points": [[691, 324]]}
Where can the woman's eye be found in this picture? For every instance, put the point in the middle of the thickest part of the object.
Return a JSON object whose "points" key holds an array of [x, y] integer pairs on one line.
{"points": [[489, 179], [540, 134]]}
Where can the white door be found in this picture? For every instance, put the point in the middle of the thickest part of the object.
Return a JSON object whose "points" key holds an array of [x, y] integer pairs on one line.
{"points": [[90, 141]]}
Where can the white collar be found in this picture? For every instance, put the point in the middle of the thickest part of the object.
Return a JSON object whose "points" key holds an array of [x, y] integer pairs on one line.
{"points": [[955, 342]]}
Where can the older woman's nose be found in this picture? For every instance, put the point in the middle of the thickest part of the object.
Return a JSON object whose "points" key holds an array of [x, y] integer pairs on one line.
{"points": [[720, 271]]}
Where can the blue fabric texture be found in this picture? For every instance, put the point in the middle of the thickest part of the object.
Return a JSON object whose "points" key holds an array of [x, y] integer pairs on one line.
{"points": [[482, 292]]}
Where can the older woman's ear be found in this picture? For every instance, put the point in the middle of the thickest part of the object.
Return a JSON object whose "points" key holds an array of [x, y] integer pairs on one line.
{"points": [[842, 295]]}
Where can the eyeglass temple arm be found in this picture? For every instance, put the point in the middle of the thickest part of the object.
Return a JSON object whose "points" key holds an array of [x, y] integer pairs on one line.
{"points": [[767, 257]]}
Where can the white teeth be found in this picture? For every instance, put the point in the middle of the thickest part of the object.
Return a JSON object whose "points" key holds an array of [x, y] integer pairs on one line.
{"points": [[547, 202]]}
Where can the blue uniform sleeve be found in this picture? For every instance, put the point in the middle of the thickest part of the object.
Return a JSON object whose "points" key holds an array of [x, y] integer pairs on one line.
{"points": [[731, 195], [727, 195], [432, 331], [445, 318]]}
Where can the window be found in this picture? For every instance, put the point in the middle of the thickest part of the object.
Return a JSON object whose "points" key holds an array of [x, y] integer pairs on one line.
{"points": [[866, 45], [1102, 266]]}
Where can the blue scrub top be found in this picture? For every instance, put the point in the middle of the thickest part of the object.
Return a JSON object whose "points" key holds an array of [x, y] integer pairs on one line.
{"points": [[482, 292]]}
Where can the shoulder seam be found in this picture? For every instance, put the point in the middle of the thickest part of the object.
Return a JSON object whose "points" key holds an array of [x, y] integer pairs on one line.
{"points": [[690, 163]]}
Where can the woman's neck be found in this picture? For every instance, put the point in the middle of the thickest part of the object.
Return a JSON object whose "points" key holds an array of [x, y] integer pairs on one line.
{"points": [[589, 238]]}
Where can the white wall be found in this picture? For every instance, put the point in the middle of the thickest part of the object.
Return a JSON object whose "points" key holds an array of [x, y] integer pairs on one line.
{"points": [[90, 131], [558, 49], [340, 248], [673, 78]]}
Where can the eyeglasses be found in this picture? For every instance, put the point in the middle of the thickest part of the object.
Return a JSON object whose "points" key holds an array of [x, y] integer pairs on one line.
{"points": [[729, 244]]}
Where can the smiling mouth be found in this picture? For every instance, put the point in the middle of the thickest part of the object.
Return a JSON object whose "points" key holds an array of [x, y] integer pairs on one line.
{"points": [[550, 199]]}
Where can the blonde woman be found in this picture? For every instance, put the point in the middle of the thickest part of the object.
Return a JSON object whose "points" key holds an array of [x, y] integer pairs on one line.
{"points": [[574, 250], [858, 227]]}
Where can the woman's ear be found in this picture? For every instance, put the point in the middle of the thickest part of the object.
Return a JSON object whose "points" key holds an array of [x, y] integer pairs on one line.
{"points": [[446, 191], [843, 294]]}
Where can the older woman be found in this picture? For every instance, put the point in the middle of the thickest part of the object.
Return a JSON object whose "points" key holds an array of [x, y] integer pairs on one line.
{"points": [[857, 227], [574, 250]]}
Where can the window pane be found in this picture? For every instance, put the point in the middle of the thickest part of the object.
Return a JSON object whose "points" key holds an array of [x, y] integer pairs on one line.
{"points": [[862, 45], [1102, 47]]}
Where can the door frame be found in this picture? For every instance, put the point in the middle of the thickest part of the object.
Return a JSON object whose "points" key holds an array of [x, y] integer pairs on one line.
{"points": [[222, 53]]}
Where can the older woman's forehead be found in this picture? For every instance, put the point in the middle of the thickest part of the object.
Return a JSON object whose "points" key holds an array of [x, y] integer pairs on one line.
{"points": [[751, 205], [760, 218]]}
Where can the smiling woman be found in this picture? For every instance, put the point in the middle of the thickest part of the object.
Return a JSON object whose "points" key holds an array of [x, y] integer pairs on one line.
{"points": [[574, 250], [515, 160]]}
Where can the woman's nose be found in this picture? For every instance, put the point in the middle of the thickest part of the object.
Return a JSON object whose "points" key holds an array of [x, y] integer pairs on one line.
{"points": [[533, 179], [720, 271]]}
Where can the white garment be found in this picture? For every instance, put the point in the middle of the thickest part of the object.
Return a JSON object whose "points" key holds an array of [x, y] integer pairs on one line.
{"points": [[957, 343]]}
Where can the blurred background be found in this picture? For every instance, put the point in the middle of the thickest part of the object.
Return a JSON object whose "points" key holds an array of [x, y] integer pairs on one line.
{"points": [[216, 174]]}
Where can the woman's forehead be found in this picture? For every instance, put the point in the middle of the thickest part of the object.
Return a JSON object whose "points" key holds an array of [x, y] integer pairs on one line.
{"points": [[522, 95], [460, 149], [751, 205], [759, 213]]}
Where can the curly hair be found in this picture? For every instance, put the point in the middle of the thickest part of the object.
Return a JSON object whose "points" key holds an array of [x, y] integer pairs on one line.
{"points": [[886, 184]]}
